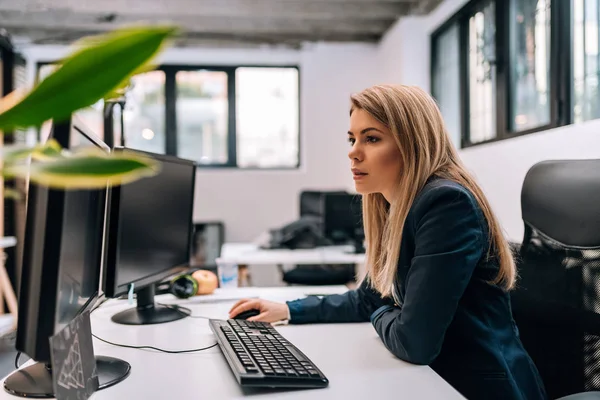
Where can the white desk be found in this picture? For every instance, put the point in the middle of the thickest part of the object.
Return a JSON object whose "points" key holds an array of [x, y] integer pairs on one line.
{"points": [[350, 355], [251, 254], [245, 254]]}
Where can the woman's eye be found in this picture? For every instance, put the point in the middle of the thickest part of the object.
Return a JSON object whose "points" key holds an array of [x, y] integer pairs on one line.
{"points": [[372, 139], [351, 140]]}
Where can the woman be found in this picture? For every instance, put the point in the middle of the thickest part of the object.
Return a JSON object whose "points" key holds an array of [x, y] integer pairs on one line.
{"points": [[438, 267]]}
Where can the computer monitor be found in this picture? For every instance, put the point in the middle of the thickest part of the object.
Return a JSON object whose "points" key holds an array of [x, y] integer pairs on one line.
{"points": [[149, 237], [62, 259], [342, 219]]}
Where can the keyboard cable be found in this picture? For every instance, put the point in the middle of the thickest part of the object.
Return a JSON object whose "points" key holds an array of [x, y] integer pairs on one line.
{"points": [[183, 310]]}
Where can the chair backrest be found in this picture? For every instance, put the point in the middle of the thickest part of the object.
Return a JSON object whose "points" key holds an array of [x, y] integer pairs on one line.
{"points": [[557, 300], [561, 200], [312, 202]]}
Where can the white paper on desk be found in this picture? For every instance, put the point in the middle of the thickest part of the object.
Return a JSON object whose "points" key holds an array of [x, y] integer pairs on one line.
{"points": [[224, 295]]}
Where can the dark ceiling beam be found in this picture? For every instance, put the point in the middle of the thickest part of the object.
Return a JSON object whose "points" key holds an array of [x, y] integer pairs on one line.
{"points": [[266, 9], [200, 24], [55, 36]]}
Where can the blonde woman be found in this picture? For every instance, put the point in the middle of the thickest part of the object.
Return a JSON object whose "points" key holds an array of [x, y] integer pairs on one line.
{"points": [[439, 270]]}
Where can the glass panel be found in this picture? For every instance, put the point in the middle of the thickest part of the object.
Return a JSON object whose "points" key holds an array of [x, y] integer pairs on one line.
{"points": [[585, 60], [530, 65], [446, 80], [482, 75], [144, 115], [202, 116], [267, 117]]}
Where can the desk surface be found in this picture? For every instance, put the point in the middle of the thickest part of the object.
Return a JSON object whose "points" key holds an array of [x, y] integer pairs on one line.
{"points": [[251, 254], [350, 355]]}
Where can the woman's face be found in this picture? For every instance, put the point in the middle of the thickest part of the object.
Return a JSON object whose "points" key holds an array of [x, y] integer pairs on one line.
{"points": [[374, 156]]}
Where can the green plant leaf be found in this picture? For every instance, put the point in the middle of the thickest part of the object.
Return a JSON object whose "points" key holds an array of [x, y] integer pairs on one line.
{"points": [[12, 194], [121, 88], [86, 170], [99, 66], [14, 153]]}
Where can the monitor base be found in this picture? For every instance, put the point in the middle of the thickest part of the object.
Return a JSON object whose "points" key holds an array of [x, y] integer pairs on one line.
{"points": [[147, 312], [111, 371], [145, 316], [35, 381]]}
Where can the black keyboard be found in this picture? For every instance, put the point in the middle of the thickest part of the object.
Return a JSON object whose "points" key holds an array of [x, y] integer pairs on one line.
{"points": [[259, 356]]}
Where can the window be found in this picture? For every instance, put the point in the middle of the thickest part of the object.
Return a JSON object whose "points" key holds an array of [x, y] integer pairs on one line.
{"points": [[482, 74], [267, 117], [586, 67], [202, 116], [446, 79], [513, 73], [144, 114], [243, 117], [530, 64]]}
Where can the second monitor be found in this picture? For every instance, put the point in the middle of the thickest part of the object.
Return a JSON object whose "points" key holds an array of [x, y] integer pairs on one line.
{"points": [[149, 235]]}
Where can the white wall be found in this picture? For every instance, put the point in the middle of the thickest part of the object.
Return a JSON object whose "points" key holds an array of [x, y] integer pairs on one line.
{"points": [[499, 167], [250, 202], [253, 201], [401, 53]]}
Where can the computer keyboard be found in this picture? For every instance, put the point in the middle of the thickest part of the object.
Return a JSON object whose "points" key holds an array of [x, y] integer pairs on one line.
{"points": [[259, 356]]}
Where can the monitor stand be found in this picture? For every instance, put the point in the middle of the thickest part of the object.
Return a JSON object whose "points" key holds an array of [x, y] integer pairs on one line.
{"points": [[147, 312], [36, 380]]}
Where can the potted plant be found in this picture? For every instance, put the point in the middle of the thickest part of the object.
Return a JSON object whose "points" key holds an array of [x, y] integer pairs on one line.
{"points": [[99, 67]]}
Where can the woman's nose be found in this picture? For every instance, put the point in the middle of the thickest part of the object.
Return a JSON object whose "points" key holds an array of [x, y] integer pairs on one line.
{"points": [[354, 153]]}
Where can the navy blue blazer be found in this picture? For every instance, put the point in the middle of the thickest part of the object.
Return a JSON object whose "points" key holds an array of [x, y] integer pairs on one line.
{"points": [[450, 318]]}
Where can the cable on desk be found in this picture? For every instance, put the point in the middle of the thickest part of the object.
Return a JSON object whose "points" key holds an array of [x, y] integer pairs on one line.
{"points": [[17, 360], [155, 348]]}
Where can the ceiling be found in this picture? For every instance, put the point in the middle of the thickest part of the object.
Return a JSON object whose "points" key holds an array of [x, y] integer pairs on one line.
{"points": [[240, 23]]}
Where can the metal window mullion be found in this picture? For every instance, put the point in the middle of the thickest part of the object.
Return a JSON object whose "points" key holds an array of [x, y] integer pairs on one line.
{"points": [[170, 112], [231, 126]]}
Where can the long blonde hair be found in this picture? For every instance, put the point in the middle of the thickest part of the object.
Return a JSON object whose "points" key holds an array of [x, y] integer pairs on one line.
{"points": [[425, 150]]}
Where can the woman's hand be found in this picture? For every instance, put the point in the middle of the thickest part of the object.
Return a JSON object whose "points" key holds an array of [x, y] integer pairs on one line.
{"points": [[270, 311]]}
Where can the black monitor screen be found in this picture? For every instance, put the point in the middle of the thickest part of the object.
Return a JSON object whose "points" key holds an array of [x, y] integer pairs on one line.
{"points": [[81, 244], [154, 224], [62, 253]]}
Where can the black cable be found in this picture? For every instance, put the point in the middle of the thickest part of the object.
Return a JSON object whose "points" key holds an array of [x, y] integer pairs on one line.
{"points": [[155, 348], [183, 310], [17, 360]]}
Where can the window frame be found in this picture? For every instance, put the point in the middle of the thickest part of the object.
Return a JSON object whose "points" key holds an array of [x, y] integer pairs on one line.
{"points": [[560, 89], [170, 71]]}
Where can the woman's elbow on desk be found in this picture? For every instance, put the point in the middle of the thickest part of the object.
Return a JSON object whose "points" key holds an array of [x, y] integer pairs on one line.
{"points": [[412, 348], [414, 353]]}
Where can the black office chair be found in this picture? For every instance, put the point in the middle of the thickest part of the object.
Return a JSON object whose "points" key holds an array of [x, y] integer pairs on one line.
{"points": [[315, 275], [312, 204], [556, 304]]}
